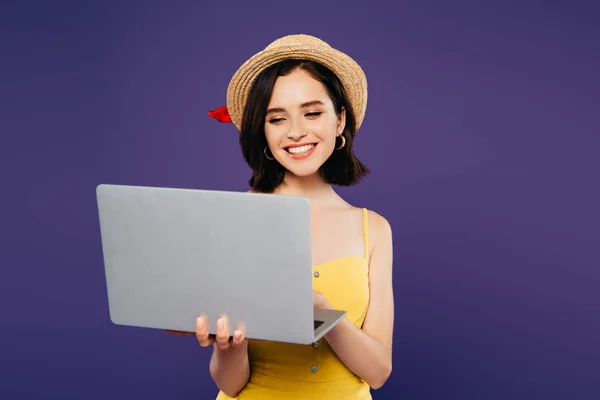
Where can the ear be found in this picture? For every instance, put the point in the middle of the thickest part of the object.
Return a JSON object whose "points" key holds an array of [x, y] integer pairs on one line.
{"points": [[341, 124]]}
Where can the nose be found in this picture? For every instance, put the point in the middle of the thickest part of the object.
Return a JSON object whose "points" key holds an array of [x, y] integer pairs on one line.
{"points": [[296, 132]]}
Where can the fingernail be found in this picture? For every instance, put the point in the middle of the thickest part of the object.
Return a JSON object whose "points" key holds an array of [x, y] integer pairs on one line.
{"points": [[237, 335], [220, 323]]}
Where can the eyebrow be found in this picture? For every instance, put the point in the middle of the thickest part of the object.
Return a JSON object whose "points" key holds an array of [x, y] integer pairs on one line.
{"points": [[303, 105]]}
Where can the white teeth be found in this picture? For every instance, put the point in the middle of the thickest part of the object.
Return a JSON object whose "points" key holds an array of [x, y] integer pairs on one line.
{"points": [[300, 150]]}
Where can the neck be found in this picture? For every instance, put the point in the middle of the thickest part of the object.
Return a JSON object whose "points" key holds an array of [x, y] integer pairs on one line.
{"points": [[313, 187]]}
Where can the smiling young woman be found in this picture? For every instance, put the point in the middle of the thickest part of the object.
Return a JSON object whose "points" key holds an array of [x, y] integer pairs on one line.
{"points": [[298, 105]]}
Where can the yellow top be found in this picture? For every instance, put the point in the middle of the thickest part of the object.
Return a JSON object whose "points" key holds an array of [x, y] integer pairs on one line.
{"points": [[293, 371]]}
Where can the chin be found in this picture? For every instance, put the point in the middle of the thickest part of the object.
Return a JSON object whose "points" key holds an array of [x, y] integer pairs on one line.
{"points": [[302, 172]]}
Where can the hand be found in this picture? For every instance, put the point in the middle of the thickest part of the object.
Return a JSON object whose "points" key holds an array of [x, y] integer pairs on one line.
{"points": [[319, 300], [222, 338]]}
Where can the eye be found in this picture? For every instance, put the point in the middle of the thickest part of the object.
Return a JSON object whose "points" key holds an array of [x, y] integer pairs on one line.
{"points": [[275, 120], [314, 114]]}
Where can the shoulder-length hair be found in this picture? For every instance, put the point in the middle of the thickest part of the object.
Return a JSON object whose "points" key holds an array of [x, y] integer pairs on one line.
{"points": [[341, 168]]}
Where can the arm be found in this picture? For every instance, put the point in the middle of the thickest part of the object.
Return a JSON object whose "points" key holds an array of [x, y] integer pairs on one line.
{"points": [[230, 368], [368, 351]]}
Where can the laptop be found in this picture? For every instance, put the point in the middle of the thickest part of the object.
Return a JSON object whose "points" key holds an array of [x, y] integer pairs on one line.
{"points": [[173, 254]]}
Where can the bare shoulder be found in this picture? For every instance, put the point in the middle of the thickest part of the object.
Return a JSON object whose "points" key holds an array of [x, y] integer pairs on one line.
{"points": [[379, 227], [382, 248]]}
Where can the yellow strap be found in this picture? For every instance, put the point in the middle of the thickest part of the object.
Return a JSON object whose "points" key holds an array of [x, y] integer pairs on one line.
{"points": [[366, 230]]}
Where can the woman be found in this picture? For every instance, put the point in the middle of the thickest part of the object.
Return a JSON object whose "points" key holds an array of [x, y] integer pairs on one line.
{"points": [[298, 105]]}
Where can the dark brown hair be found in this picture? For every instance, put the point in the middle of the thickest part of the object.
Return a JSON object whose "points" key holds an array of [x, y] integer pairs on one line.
{"points": [[341, 168]]}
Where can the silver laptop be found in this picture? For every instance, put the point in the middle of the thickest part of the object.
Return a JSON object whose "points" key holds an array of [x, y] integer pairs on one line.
{"points": [[172, 254]]}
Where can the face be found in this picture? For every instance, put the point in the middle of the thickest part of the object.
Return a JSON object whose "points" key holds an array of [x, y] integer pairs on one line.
{"points": [[301, 125]]}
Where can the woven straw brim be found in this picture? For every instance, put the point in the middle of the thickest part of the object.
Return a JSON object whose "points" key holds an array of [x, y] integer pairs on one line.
{"points": [[347, 70]]}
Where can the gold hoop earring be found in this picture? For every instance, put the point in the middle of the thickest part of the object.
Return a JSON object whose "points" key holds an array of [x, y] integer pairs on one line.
{"points": [[266, 155], [343, 143]]}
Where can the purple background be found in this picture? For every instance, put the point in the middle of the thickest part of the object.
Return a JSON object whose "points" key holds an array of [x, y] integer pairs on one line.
{"points": [[481, 130]]}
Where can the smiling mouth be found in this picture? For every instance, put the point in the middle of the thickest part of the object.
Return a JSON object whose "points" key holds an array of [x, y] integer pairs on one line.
{"points": [[300, 150]]}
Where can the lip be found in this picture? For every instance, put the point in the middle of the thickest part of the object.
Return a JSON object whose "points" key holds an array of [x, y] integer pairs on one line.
{"points": [[303, 155]]}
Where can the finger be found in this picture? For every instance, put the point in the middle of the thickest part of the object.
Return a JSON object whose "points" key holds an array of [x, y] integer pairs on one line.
{"points": [[202, 332], [238, 338], [318, 299], [239, 335], [222, 333]]}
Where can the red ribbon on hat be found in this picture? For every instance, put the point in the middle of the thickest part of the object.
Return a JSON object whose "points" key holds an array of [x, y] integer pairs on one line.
{"points": [[220, 114]]}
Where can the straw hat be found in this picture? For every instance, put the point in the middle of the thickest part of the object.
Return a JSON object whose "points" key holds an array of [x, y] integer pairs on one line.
{"points": [[303, 47]]}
